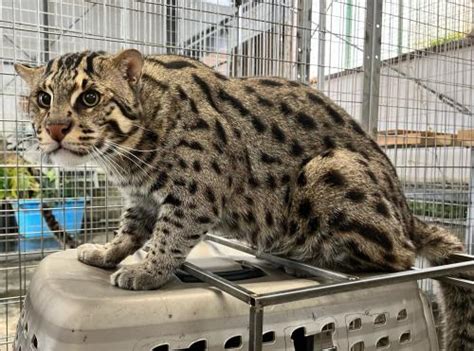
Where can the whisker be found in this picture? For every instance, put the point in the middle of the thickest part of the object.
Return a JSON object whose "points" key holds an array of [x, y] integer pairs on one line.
{"points": [[131, 148], [109, 165], [131, 160], [120, 147]]}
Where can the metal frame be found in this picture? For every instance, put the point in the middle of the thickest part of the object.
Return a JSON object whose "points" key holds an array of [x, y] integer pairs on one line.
{"points": [[372, 64], [340, 283]]}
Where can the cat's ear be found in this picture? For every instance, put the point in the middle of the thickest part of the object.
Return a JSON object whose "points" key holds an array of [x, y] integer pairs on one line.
{"points": [[27, 73], [130, 63]]}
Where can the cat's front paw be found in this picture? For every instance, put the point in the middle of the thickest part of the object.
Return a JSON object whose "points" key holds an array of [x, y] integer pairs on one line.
{"points": [[95, 255], [138, 277]]}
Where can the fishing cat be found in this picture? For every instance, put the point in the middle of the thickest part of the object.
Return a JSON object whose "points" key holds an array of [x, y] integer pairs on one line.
{"points": [[266, 160]]}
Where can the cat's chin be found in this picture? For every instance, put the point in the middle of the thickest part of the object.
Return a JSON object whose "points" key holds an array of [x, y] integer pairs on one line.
{"points": [[65, 158]]}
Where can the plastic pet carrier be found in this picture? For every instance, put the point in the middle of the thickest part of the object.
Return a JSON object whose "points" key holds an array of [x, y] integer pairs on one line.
{"points": [[226, 297]]}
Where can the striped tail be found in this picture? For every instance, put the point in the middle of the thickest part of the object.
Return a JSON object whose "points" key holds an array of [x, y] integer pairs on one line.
{"points": [[438, 245], [58, 231]]}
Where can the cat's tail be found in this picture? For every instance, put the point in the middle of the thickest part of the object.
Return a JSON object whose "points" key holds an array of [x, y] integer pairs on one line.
{"points": [[437, 245], [58, 231]]}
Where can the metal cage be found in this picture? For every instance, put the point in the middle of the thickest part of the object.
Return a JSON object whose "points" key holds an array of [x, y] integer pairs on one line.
{"points": [[404, 69]]}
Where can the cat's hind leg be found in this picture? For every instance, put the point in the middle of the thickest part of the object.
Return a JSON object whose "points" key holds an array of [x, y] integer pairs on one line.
{"points": [[347, 212]]}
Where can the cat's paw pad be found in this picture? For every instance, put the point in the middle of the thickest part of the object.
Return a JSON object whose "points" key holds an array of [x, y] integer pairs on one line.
{"points": [[94, 255], [137, 277]]}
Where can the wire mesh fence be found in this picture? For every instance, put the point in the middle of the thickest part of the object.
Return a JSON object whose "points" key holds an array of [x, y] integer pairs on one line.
{"points": [[408, 80]]}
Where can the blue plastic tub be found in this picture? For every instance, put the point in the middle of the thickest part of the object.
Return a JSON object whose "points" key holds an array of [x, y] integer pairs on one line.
{"points": [[34, 232]]}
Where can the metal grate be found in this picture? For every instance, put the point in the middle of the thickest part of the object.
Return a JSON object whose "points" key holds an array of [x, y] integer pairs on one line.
{"points": [[408, 78]]}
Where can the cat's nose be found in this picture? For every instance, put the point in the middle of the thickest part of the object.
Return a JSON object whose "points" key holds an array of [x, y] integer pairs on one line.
{"points": [[58, 131]]}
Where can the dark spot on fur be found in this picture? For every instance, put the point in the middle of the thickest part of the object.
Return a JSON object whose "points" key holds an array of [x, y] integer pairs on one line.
{"points": [[329, 142], [249, 89], [372, 176], [337, 218], [293, 228], [179, 213], [382, 209], [203, 219], [296, 149], [179, 182], [182, 163], [369, 232], [271, 181], [313, 224], [194, 145], [235, 103], [334, 178], [215, 167], [301, 180], [192, 187], [357, 128], [265, 102], [253, 182], [305, 121], [221, 132], [249, 201], [177, 64], [355, 195], [237, 133], [249, 217], [286, 198], [197, 166], [258, 124], [266, 158], [270, 82], [160, 181], [200, 124], [278, 134], [172, 200], [269, 218], [285, 179], [285, 108], [210, 196], [304, 208]]}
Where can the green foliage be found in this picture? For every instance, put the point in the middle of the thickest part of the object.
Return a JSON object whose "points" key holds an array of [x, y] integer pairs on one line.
{"points": [[19, 182], [441, 41], [439, 210]]}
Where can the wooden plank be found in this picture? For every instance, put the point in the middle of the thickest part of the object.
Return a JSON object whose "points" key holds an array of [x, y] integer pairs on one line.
{"points": [[411, 138], [465, 137]]}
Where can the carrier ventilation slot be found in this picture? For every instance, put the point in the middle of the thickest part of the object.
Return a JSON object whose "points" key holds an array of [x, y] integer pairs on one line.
{"points": [[268, 337], [302, 342], [358, 346], [355, 324], [34, 342], [381, 319], [383, 343], [324, 340], [233, 343], [200, 345], [402, 315], [405, 337]]}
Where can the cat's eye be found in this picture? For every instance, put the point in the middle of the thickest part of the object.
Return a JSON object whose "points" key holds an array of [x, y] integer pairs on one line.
{"points": [[44, 99], [90, 98]]}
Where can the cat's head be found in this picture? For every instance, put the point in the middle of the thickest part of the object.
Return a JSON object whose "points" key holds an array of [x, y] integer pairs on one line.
{"points": [[80, 103]]}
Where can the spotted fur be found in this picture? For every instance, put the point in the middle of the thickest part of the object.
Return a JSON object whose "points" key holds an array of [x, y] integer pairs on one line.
{"points": [[269, 161]]}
